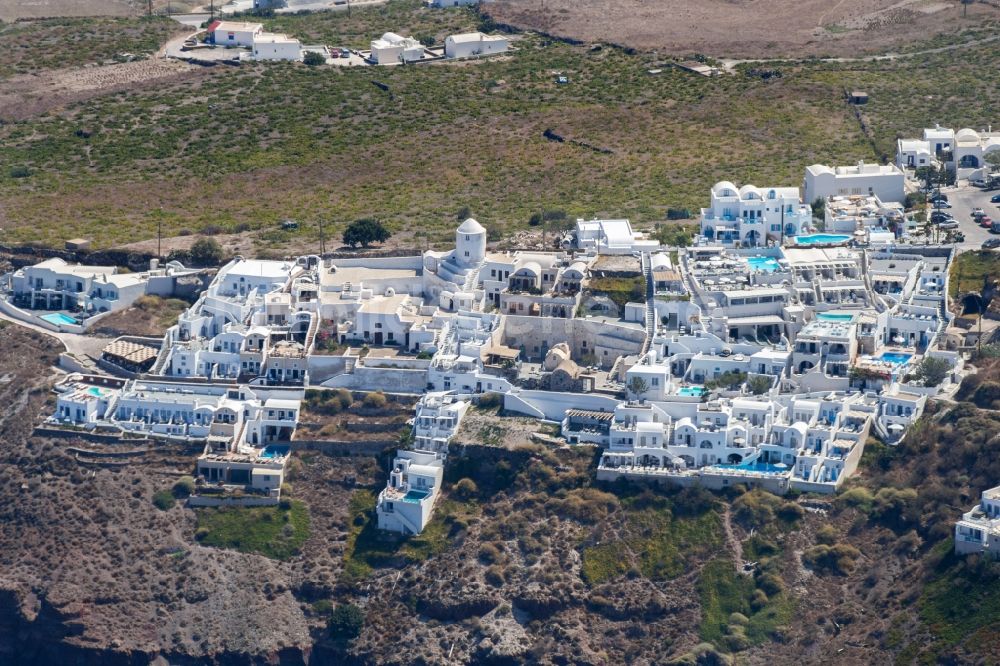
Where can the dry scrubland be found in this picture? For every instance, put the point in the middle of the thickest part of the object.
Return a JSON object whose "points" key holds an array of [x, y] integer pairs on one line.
{"points": [[744, 28], [526, 561], [231, 151], [12, 10]]}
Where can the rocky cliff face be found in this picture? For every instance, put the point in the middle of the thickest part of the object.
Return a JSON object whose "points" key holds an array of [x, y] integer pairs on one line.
{"points": [[92, 572]]}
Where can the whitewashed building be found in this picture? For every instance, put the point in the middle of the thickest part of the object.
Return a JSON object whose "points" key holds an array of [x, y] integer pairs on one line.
{"points": [[234, 33], [274, 46], [474, 44], [392, 49], [55, 284], [978, 531], [963, 151], [748, 216], [609, 237], [414, 485], [438, 415], [885, 181]]}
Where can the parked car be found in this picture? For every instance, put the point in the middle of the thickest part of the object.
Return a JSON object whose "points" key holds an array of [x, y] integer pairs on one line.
{"points": [[941, 203], [950, 224], [938, 197], [995, 228], [995, 198], [977, 182], [978, 212], [345, 53], [938, 217], [986, 222], [991, 243]]}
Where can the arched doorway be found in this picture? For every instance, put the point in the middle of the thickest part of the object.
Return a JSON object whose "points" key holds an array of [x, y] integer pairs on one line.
{"points": [[734, 459], [968, 162]]}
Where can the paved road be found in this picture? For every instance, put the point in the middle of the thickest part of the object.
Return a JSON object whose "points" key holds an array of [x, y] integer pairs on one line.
{"points": [[78, 345]]}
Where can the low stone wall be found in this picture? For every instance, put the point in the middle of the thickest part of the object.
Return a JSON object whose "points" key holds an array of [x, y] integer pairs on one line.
{"points": [[205, 501], [99, 438], [343, 448]]}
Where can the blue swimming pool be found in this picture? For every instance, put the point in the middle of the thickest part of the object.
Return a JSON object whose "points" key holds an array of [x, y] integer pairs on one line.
{"points": [[835, 316], [416, 496], [762, 467], [274, 451], [765, 264], [697, 391], [896, 358], [93, 390], [59, 319], [822, 239]]}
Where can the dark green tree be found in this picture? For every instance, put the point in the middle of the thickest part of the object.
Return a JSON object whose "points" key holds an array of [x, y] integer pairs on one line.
{"points": [[206, 252], [313, 59], [364, 232], [346, 622]]}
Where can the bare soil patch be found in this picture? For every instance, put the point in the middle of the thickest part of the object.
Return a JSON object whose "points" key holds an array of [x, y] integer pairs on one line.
{"points": [[744, 28], [28, 95]]}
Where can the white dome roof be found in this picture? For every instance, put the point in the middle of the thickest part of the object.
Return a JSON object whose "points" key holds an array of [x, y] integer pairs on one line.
{"points": [[967, 134], [470, 226], [725, 185], [750, 190]]}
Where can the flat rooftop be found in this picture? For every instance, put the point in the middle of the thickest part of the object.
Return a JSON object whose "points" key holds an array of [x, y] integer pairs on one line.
{"points": [[361, 274]]}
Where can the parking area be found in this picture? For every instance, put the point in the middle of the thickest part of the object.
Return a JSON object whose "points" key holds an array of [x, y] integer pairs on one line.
{"points": [[963, 199]]}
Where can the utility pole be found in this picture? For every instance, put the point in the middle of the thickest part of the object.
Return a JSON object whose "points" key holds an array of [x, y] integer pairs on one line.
{"points": [[322, 239], [149, 7], [159, 233]]}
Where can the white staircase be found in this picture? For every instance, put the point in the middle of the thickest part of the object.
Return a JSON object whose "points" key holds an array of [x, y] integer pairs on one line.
{"points": [[647, 272]]}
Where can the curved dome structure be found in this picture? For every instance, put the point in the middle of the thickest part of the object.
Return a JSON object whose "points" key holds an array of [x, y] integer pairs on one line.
{"points": [[725, 188], [967, 134], [821, 169], [470, 226]]}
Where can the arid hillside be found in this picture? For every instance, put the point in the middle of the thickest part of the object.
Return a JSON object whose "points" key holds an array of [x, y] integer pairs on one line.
{"points": [[744, 28]]}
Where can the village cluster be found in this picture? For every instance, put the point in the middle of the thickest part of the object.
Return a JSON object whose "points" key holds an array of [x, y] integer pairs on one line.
{"points": [[763, 354], [390, 49]]}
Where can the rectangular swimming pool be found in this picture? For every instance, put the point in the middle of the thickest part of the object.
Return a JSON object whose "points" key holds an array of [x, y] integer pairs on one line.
{"points": [[762, 467], [896, 358], [274, 451], [696, 391], [416, 496], [822, 239], [835, 316], [765, 264], [59, 319]]}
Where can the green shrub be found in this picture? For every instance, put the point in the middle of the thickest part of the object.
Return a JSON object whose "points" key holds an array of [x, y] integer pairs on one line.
{"points": [[859, 498], [490, 401], [184, 487], [466, 489], [826, 535], [206, 252], [164, 500], [346, 622], [375, 400], [322, 607], [838, 559], [313, 59]]}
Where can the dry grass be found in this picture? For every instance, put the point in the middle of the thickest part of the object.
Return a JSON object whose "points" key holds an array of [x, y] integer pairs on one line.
{"points": [[743, 29]]}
